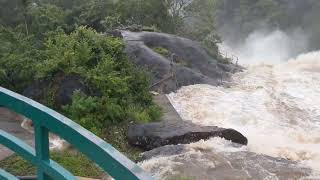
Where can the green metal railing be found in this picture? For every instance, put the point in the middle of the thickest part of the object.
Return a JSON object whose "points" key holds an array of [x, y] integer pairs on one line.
{"points": [[45, 120]]}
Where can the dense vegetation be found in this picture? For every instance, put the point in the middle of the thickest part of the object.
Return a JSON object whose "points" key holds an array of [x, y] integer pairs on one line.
{"points": [[39, 47], [98, 60], [44, 41]]}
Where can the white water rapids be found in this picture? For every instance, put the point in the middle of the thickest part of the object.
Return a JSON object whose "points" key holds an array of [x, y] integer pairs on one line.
{"points": [[277, 107]]}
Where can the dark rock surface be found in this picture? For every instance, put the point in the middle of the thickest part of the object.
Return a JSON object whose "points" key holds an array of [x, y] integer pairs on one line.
{"points": [[153, 135], [36, 91], [195, 66], [62, 87], [229, 163], [173, 130], [67, 86]]}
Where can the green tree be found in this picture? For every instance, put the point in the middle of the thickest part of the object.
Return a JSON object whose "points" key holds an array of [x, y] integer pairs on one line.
{"points": [[45, 18], [17, 57], [200, 24]]}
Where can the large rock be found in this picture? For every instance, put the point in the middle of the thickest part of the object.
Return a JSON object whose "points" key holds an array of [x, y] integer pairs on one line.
{"points": [[66, 88], [217, 159], [153, 135], [195, 65], [62, 88], [36, 91]]}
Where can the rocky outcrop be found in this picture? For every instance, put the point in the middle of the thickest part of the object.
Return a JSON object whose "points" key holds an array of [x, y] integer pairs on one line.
{"points": [[153, 135], [192, 64], [222, 160]]}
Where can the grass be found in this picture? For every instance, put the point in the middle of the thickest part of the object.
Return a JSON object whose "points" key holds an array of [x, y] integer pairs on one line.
{"points": [[162, 51], [117, 137], [17, 166], [72, 160]]}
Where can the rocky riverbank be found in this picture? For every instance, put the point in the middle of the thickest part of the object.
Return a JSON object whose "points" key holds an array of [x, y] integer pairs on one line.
{"points": [[180, 148], [186, 59]]}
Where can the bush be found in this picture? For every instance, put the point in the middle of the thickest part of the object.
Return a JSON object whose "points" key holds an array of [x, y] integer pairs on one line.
{"points": [[114, 84], [101, 63], [17, 58]]}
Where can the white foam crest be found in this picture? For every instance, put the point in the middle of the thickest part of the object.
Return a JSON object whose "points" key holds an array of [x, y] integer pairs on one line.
{"points": [[55, 142], [164, 166], [277, 107]]}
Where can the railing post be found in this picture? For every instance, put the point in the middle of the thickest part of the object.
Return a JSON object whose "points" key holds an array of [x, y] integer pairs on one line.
{"points": [[42, 150]]}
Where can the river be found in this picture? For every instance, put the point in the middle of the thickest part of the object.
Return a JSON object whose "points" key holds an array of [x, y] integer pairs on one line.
{"points": [[276, 106]]}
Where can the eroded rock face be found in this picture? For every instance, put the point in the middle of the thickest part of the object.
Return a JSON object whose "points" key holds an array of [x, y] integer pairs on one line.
{"points": [[153, 135], [219, 159], [195, 66]]}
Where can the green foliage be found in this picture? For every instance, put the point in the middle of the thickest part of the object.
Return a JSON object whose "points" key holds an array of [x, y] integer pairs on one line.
{"points": [[199, 18], [117, 136], [162, 51], [93, 112], [98, 60], [144, 115], [44, 18], [76, 52], [17, 57], [101, 15], [77, 163], [147, 13], [17, 166], [102, 64], [110, 23]]}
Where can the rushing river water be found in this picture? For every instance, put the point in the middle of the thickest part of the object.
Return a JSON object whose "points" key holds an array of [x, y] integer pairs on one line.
{"points": [[277, 107]]}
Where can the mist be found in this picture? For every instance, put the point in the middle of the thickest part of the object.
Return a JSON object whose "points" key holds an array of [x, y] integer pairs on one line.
{"points": [[268, 31], [267, 46]]}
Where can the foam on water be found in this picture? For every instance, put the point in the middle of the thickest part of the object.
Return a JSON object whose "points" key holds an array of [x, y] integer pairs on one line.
{"points": [[164, 166], [277, 107], [55, 142]]}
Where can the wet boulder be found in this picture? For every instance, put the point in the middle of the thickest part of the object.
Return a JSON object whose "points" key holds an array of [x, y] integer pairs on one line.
{"points": [[185, 58], [67, 86], [36, 90], [153, 135], [61, 88]]}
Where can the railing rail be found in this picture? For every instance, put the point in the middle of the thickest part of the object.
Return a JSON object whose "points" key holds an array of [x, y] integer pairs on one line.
{"points": [[45, 120]]}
